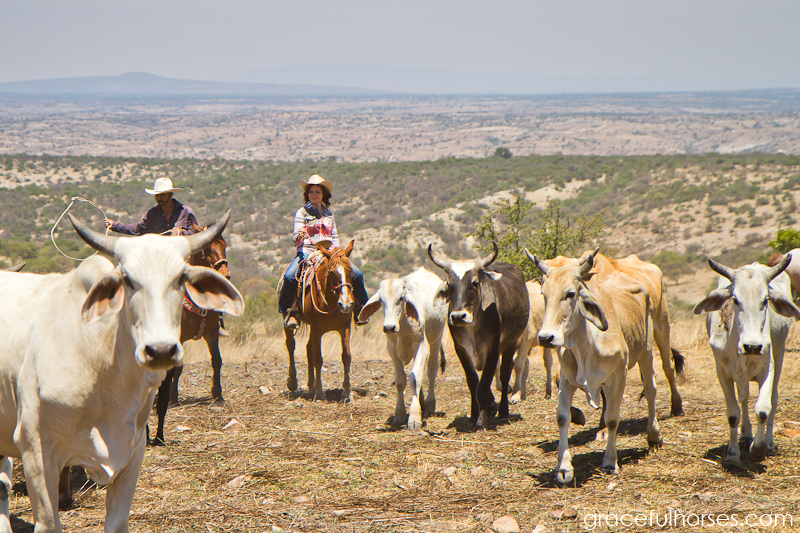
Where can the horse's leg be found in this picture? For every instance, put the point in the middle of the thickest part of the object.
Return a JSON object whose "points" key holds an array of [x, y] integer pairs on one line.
{"points": [[212, 341], [291, 381], [314, 350], [346, 359]]}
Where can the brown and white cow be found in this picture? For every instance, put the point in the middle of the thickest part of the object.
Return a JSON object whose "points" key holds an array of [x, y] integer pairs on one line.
{"points": [[604, 327], [749, 315], [487, 314]]}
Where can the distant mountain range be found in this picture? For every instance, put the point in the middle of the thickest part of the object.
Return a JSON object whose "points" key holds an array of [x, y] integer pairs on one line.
{"points": [[144, 84]]}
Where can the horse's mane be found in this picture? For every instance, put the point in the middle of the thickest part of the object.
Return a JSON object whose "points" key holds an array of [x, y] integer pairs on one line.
{"points": [[775, 259]]}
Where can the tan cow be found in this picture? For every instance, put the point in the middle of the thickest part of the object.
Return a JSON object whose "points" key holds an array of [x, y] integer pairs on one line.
{"points": [[604, 328], [651, 277]]}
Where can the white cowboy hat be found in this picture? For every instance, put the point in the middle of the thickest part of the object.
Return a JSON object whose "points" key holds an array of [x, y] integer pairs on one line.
{"points": [[161, 186], [317, 180]]}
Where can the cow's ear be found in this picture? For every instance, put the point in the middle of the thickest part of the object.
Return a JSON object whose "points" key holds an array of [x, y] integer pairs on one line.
{"points": [[591, 311], [210, 290], [441, 295], [411, 313], [105, 297], [713, 302], [490, 274], [783, 305], [370, 308]]}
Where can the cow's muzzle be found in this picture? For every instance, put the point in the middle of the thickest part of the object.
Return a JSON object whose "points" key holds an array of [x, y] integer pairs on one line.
{"points": [[163, 355], [390, 328], [546, 341], [751, 349], [460, 318]]}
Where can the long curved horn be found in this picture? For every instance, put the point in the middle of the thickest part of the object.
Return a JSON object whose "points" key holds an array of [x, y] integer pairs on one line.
{"points": [[780, 267], [721, 269], [98, 241], [441, 263], [586, 265], [483, 263], [200, 241], [538, 262]]}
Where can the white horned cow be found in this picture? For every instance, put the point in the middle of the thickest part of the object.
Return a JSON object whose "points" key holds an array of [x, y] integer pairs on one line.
{"points": [[604, 329], [83, 354], [413, 326], [749, 315], [487, 314]]}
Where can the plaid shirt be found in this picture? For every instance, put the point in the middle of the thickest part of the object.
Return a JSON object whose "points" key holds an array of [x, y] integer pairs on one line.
{"points": [[155, 221], [316, 225]]}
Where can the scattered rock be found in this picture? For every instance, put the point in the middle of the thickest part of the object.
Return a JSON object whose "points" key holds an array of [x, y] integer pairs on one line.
{"points": [[276, 528], [505, 524], [301, 499], [685, 434], [239, 481], [791, 425], [789, 433], [539, 529], [737, 491], [497, 484], [462, 454], [276, 444], [567, 513], [449, 471], [611, 486], [340, 512], [233, 425], [383, 394], [478, 471], [182, 428], [264, 390]]}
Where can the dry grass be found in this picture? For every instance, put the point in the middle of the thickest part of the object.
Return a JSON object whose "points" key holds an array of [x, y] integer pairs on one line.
{"points": [[301, 465]]}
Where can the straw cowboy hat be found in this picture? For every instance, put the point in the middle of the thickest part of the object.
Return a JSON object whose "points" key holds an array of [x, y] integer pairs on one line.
{"points": [[161, 186], [317, 180]]}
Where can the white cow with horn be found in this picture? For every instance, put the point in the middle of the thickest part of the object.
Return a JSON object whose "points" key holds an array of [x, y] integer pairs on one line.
{"points": [[749, 315], [83, 354], [414, 329]]}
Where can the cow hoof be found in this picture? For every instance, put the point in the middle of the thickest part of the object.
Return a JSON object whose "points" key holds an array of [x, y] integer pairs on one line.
{"points": [[677, 411], [64, 504], [578, 418], [482, 421], [564, 476], [602, 435], [610, 469], [655, 442], [758, 452], [157, 442], [515, 399], [415, 425]]}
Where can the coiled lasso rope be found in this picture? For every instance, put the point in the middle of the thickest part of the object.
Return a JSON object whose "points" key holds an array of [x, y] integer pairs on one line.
{"points": [[71, 203]]}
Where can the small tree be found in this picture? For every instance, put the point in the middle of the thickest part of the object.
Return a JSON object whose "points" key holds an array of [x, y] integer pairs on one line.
{"points": [[787, 239], [503, 152], [549, 234], [672, 264]]}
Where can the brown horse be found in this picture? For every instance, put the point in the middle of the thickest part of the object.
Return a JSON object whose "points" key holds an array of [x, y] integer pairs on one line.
{"points": [[325, 304], [196, 324]]}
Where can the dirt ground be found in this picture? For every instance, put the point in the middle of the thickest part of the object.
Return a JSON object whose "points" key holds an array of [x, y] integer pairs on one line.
{"points": [[269, 460]]}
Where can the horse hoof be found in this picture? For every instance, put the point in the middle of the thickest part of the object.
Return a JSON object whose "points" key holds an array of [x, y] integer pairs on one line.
{"points": [[157, 442], [291, 384]]}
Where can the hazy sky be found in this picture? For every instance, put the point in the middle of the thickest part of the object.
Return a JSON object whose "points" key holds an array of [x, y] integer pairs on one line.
{"points": [[711, 44]]}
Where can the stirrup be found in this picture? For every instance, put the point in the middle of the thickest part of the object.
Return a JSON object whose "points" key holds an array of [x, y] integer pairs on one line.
{"points": [[290, 322]]}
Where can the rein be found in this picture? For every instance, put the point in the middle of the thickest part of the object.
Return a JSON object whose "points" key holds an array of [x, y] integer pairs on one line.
{"points": [[312, 271]]}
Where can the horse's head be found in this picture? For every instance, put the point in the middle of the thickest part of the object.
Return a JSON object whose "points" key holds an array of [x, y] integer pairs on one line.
{"points": [[215, 255], [337, 276]]}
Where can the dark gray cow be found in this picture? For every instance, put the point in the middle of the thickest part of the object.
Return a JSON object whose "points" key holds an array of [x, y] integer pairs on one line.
{"points": [[488, 312]]}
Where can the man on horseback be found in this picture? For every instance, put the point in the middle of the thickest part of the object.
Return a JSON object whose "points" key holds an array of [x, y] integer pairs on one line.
{"points": [[314, 223], [167, 214]]}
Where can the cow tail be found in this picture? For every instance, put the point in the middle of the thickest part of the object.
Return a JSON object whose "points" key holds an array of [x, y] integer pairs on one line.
{"points": [[442, 359], [680, 362]]}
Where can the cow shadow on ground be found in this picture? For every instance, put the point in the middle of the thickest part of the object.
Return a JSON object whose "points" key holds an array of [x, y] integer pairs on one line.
{"points": [[463, 424], [392, 426], [632, 426], [331, 395], [19, 525], [747, 468], [587, 467]]}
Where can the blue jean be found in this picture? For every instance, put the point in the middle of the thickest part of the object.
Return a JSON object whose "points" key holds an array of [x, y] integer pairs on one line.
{"points": [[289, 289]]}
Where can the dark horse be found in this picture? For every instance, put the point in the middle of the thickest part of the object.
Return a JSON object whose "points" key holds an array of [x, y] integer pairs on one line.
{"points": [[325, 303], [196, 324]]}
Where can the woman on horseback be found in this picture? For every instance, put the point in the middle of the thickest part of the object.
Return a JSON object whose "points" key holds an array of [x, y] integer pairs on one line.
{"points": [[314, 223]]}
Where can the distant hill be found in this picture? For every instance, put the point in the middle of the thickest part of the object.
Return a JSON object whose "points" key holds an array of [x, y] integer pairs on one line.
{"points": [[144, 84]]}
